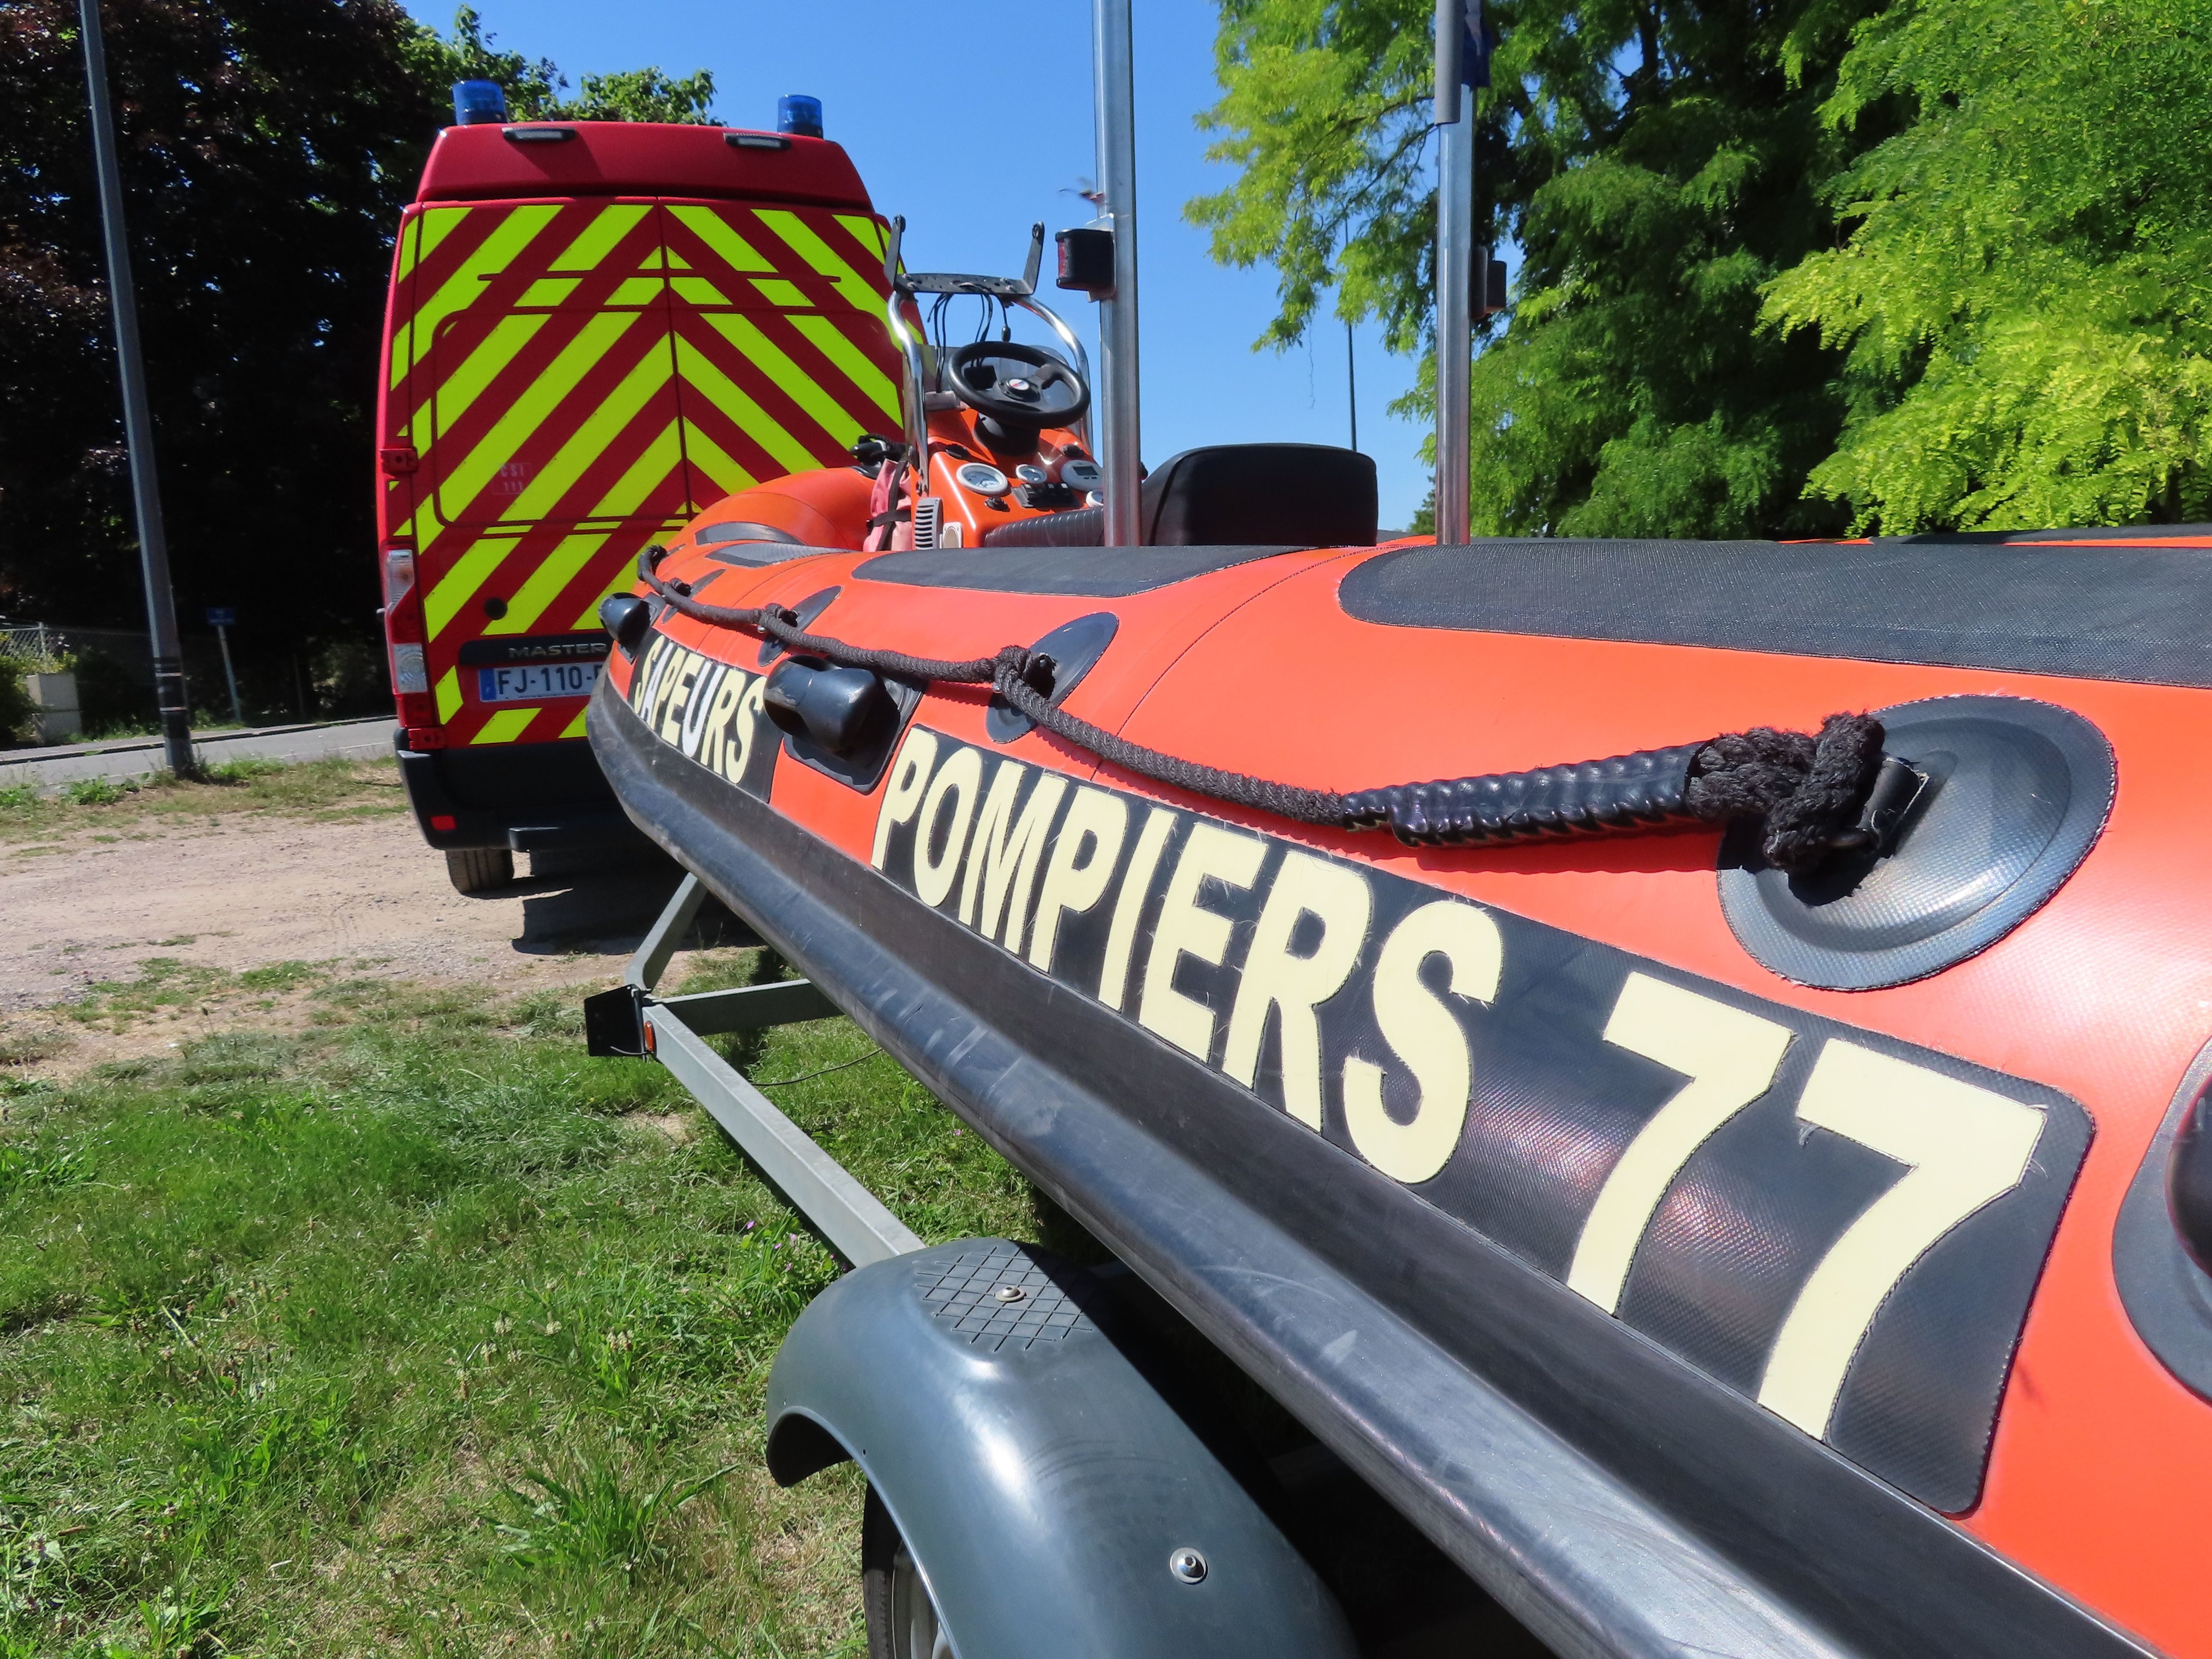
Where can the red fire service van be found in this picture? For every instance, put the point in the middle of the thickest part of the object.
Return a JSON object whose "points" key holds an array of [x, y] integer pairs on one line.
{"points": [[596, 329]]}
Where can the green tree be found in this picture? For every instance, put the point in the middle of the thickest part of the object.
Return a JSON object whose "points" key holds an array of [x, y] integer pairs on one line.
{"points": [[267, 149], [645, 95], [2022, 291], [1658, 161], [534, 87]]}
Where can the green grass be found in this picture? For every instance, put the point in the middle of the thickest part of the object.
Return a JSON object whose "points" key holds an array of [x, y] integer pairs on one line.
{"points": [[324, 789], [170, 982], [420, 1332]]}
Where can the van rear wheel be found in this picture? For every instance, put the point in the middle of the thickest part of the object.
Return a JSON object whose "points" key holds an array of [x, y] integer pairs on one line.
{"points": [[903, 1621], [479, 869]]}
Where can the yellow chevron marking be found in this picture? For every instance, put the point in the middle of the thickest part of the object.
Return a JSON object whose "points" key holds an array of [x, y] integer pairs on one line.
{"points": [[419, 239], [818, 253], [600, 333], [675, 260], [645, 474], [697, 291], [458, 585], [745, 334], [549, 291], [778, 292], [752, 419], [599, 237], [636, 291], [873, 384], [720, 469], [575, 728], [450, 397], [411, 342], [710, 227], [506, 726], [566, 562], [449, 696], [590, 439], [555, 572], [410, 250], [867, 232], [432, 228]]}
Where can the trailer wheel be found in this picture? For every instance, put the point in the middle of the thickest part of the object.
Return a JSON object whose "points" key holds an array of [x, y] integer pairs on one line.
{"points": [[479, 869], [903, 1621]]}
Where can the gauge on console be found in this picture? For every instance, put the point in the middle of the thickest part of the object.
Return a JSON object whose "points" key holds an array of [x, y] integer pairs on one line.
{"points": [[983, 479], [1080, 475]]}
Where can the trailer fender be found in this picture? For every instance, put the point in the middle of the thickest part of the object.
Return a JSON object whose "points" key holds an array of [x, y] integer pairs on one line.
{"points": [[1040, 1481]]}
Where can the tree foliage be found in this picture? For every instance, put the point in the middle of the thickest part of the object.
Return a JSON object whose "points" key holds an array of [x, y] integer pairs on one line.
{"points": [[1325, 110], [535, 87], [1657, 161], [2022, 292], [267, 148], [1791, 266]]}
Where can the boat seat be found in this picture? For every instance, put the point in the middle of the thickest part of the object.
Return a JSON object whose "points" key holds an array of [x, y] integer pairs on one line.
{"points": [[1232, 495]]}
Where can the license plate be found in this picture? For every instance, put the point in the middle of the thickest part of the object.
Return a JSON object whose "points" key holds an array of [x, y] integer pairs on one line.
{"points": [[531, 682]]}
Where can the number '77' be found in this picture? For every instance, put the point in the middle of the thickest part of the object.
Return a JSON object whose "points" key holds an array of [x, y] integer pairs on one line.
{"points": [[1963, 1146]]}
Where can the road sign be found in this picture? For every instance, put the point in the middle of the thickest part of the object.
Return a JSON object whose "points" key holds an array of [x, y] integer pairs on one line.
{"points": [[221, 615]]}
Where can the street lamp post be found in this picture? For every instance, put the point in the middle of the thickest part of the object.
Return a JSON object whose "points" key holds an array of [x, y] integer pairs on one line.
{"points": [[137, 417]]}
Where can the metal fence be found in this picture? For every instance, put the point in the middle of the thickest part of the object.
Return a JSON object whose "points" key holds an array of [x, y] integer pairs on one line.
{"points": [[36, 649]]}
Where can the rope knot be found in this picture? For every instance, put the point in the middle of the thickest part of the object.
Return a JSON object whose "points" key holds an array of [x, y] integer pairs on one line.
{"points": [[1808, 790]]}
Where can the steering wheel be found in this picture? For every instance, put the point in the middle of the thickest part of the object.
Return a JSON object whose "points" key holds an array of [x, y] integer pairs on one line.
{"points": [[1021, 388]]}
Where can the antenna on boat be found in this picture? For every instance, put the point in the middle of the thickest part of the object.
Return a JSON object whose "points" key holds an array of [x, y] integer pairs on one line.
{"points": [[1455, 263], [1119, 443]]}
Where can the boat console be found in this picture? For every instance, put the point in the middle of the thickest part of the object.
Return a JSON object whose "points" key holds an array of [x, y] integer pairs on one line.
{"points": [[998, 451]]}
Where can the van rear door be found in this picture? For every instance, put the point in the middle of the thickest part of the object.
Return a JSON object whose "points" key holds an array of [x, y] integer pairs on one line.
{"points": [[590, 339], [542, 385]]}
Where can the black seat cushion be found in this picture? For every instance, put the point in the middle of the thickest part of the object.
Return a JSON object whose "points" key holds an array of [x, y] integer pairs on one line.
{"points": [[1232, 495]]}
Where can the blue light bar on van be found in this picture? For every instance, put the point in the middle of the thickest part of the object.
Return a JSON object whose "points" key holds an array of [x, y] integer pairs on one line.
{"points": [[797, 112], [478, 103]]}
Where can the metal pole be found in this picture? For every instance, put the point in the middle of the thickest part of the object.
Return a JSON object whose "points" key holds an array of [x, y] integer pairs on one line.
{"points": [[1456, 255], [1351, 385], [1120, 446], [137, 417], [222, 639]]}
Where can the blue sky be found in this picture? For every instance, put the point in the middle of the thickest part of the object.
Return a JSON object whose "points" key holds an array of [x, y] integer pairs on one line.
{"points": [[975, 121]]}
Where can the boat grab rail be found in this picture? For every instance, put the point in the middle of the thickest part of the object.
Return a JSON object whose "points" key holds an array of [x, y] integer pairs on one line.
{"points": [[1009, 291], [1815, 794]]}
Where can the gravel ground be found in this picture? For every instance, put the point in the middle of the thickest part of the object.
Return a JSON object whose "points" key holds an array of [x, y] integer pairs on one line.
{"points": [[360, 895]]}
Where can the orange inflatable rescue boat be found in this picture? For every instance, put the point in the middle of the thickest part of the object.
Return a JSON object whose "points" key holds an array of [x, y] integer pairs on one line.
{"points": [[1682, 1064]]}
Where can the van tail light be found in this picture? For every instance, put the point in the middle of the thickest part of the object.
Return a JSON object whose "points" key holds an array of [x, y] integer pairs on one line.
{"points": [[403, 630], [410, 672], [403, 603]]}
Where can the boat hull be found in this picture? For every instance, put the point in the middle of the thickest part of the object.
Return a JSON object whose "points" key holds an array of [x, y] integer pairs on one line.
{"points": [[1622, 1476]]}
